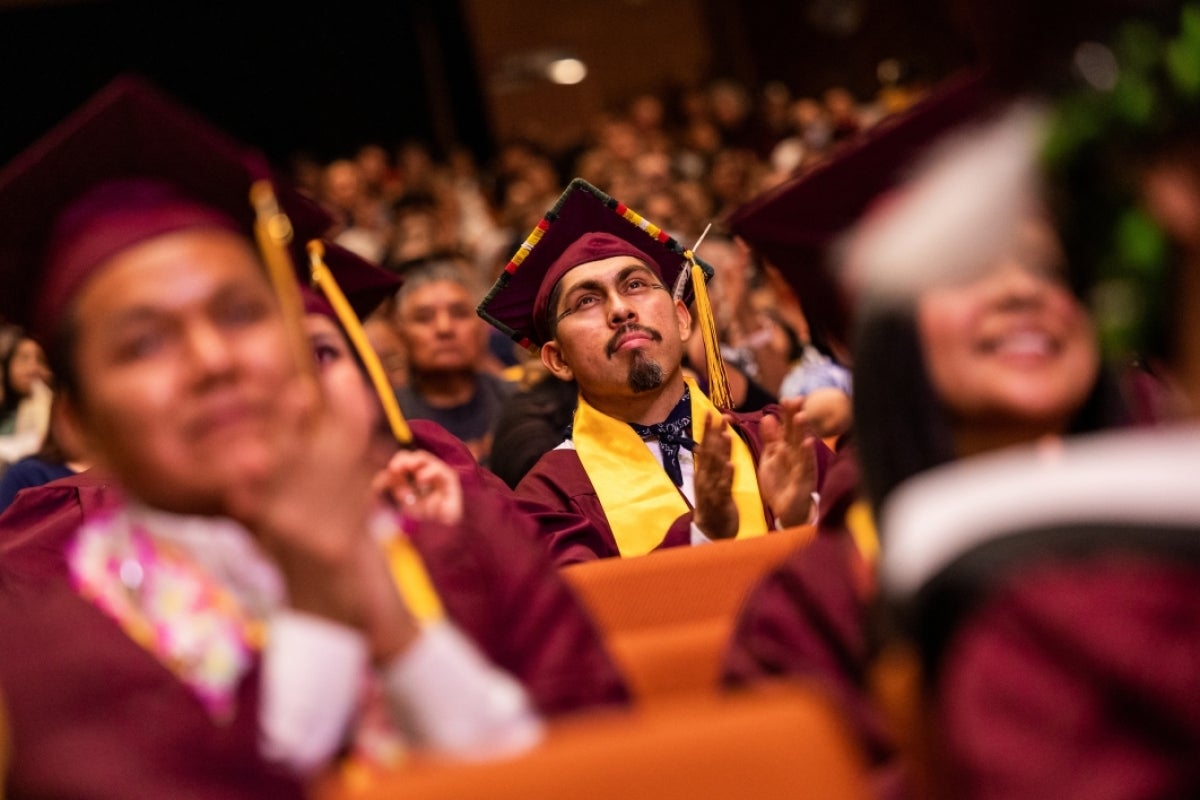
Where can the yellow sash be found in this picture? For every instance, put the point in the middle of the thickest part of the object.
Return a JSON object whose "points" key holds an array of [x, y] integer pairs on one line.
{"points": [[861, 523], [637, 495], [408, 571]]}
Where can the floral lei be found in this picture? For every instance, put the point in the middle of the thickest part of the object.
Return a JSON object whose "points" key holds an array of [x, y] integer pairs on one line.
{"points": [[167, 604]]}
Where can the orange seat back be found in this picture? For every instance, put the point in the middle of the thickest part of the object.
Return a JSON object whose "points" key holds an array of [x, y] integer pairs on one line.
{"points": [[667, 616], [776, 742]]}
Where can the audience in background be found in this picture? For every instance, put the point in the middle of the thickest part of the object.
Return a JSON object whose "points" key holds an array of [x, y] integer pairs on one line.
{"points": [[24, 401], [445, 348]]}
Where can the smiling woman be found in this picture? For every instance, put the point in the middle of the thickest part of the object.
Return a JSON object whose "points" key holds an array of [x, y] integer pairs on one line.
{"points": [[1012, 354], [983, 346]]}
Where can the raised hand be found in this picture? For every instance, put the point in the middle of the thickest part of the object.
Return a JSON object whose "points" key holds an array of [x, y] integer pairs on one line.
{"points": [[716, 513], [311, 509], [422, 486], [787, 468]]}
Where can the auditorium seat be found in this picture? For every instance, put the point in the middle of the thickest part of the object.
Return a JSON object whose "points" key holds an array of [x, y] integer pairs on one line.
{"points": [[667, 616], [775, 741]]}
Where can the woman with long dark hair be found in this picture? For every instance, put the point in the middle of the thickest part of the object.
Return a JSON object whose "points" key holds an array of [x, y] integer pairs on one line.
{"points": [[24, 400]]}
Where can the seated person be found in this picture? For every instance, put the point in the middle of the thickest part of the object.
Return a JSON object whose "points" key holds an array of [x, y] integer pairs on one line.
{"points": [[445, 344], [198, 575], [59, 457], [594, 292], [1063, 630], [485, 571], [25, 399]]}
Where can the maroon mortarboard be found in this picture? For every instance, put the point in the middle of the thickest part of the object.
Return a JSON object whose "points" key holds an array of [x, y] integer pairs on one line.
{"points": [[131, 163], [793, 225], [364, 284], [585, 225]]}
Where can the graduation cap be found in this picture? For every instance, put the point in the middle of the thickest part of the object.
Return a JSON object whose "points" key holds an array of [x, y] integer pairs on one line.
{"points": [[363, 284], [130, 164], [587, 225], [794, 225], [347, 287]]}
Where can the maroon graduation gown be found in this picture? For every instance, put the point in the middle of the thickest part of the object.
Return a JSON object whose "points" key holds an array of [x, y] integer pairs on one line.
{"points": [[808, 618], [501, 588], [1060, 621], [559, 484], [495, 582], [91, 713]]}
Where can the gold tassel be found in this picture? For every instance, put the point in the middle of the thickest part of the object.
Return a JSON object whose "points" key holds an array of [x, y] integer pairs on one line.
{"points": [[718, 382], [323, 278], [273, 231]]}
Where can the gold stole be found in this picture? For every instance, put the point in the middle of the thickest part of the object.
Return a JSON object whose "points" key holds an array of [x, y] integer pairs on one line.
{"points": [[638, 497], [408, 570]]}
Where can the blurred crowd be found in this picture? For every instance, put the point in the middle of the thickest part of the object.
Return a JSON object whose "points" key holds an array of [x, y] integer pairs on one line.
{"points": [[352, 527], [684, 160]]}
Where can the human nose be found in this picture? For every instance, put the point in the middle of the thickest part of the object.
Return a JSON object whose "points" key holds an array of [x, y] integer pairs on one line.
{"points": [[1017, 284], [208, 349], [620, 310], [443, 323]]}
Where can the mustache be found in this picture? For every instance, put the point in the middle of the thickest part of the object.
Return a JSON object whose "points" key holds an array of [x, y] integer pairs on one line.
{"points": [[630, 327]]}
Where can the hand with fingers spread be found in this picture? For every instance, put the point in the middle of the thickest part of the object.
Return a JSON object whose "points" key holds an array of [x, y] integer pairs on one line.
{"points": [[716, 514], [422, 486], [787, 468]]}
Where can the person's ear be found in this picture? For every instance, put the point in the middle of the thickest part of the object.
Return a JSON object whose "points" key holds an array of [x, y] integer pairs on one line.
{"points": [[684, 319], [552, 357]]}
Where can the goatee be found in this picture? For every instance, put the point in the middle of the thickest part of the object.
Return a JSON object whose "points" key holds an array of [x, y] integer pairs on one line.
{"points": [[645, 374]]}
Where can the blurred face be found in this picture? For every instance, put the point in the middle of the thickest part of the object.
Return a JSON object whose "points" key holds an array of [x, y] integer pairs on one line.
{"points": [[619, 332], [27, 367], [343, 184], [346, 390], [1011, 351], [182, 362], [439, 328]]}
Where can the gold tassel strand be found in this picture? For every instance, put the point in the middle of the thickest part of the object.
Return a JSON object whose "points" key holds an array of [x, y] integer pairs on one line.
{"points": [[718, 382], [273, 231], [323, 278]]}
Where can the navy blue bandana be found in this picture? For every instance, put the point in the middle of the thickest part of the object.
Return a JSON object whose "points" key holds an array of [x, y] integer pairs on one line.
{"points": [[672, 433]]}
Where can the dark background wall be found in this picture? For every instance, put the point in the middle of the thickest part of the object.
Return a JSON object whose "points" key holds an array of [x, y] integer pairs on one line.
{"points": [[290, 78], [270, 72]]}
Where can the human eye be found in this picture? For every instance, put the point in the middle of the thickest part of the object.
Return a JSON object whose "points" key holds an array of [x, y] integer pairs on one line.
{"points": [[326, 351], [638, 282], [326, 354], [141, 342], [237, 310], [585, 301]]}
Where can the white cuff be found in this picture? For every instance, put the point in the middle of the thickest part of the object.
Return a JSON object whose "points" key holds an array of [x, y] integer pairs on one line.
{"points": [[312, 673], [698, 536], [814, 513], [446, 696]]}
